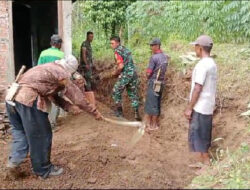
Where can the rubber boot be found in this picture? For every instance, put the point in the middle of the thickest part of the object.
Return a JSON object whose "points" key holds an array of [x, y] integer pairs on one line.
{"points": [[118, 112], [137, 115]]}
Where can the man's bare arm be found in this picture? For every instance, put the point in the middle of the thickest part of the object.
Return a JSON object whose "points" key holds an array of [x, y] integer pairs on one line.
{"points": [[148, 73], [78, 98], [118, 69], [195, 96]]}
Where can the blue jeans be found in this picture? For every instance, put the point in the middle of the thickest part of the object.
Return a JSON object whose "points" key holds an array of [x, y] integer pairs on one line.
{"points": [[31, 132]]}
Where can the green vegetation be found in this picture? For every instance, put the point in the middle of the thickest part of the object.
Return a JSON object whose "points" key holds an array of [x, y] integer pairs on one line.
{"points": [[225, 21], [176, 23], [172, 21]]}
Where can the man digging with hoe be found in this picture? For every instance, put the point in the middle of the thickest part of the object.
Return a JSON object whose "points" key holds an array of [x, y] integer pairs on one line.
{"points": [[31, 129]]}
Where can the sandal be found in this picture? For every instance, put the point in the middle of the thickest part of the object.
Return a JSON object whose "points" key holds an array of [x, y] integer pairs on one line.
{"points": [[153, 128], [196, 165], [202, 170]]}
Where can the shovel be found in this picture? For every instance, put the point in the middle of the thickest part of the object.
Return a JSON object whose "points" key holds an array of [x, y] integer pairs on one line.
{"points": [[139, 133]]}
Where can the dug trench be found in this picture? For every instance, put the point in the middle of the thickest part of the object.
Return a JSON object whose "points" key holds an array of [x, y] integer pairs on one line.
{"points": [[96, 154]]}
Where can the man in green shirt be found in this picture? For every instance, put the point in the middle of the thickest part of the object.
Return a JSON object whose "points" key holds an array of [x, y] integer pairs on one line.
{"points": [[47, 56], [53, 53]]}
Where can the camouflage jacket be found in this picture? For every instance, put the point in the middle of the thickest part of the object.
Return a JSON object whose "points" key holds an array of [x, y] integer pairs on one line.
{"points": [[129, 67]]}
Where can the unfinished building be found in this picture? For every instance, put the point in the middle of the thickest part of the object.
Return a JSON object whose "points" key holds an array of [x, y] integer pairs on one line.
{"points": [[25, 30]]}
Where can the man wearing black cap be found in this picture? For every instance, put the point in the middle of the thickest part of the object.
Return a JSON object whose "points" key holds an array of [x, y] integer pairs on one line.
{"points": [[156, 74], [53, 53], [200, 109]]}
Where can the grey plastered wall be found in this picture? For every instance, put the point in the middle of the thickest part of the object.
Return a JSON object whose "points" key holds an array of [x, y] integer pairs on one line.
{"points": [[10, 65]]}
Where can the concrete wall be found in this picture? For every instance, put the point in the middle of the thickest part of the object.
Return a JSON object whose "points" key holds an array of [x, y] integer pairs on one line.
{"points": [[65, 25], [6, 44]]}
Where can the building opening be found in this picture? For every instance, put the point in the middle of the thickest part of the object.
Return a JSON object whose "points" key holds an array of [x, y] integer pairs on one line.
{"points": [[33, 24]]}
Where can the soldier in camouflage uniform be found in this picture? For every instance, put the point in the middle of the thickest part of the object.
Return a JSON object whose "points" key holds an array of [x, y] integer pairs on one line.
{"points": [[86, 62], [127, 78]]}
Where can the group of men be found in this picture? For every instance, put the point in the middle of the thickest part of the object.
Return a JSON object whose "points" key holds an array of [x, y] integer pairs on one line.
{"points": [[127, 77], [64, 82]]}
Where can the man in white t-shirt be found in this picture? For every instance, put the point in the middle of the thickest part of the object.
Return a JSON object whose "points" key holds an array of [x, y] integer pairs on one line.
{"points": [[200, 109]]}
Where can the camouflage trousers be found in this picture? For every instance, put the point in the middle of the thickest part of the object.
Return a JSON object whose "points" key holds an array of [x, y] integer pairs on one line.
{"points": [[131, 85], [87, 74], [88, 78]]}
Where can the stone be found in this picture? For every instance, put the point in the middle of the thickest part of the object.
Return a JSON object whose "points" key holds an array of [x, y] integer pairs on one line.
{"points": [[122, 155], [2, 126], [103, 159], [132, 157], [92, 180]]}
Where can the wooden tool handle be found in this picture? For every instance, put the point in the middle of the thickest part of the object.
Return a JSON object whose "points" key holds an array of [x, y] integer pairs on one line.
{"points": [[158, 74], [124, 123], [20, 73]]}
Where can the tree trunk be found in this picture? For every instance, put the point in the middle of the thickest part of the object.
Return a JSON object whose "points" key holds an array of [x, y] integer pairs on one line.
{"points": [[113, 26], [120, 32]]}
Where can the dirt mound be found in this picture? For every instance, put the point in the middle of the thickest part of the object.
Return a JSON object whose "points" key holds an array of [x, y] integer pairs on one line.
{"points": [[97, 154], [175, 92]]}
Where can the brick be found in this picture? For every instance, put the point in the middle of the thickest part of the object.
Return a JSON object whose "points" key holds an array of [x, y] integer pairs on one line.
{"points": [[3, 5], [3, 47]]}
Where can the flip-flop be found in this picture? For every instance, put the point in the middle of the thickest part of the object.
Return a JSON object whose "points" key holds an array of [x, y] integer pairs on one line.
{"points": [[152, 129], [196, 165], [202, 169]]}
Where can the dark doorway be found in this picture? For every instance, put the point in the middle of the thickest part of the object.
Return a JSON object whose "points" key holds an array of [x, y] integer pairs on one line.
{"points": [[22, 36], [33, 24]]}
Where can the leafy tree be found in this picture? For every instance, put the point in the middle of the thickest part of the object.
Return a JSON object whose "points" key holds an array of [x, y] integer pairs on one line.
{"points": [[139, 21], [111, 15], [225, 21]]}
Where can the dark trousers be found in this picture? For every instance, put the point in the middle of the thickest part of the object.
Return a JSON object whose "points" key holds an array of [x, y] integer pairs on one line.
{"points": [[153, 100], [200, 132], [31, 131]]}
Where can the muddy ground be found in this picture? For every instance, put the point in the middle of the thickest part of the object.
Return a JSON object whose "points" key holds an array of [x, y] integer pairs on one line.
{"points": [[96, 154]]}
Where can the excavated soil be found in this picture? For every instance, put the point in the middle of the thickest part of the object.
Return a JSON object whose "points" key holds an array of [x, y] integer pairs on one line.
{"points": [[96, 154]]}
